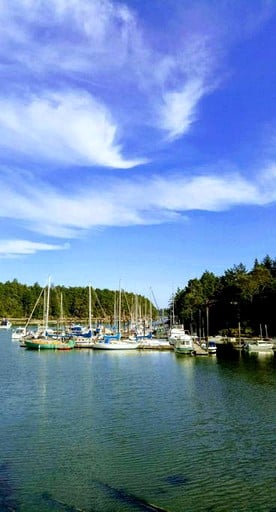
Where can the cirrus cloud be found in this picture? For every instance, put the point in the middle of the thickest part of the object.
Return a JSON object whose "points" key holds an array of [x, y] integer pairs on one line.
{"points": [[50, 212], [100, 47], [16, 248], [68, 127]]}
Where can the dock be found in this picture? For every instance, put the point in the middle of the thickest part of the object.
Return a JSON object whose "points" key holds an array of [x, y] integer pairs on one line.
{"points": [[200, 351], [155, 345]]}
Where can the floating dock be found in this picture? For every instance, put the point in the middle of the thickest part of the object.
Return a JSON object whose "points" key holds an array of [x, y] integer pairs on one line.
{"points": [[200, 351]]}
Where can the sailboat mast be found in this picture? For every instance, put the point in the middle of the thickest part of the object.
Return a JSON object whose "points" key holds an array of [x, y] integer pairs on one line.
{"points": [[62, 323], [47, 305], [119, 308], [115, 321], [90, 310], [31, 315]]}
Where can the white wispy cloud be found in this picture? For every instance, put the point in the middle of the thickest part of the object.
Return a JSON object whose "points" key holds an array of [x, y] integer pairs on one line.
{"points": [[100, 46], [77, 77], [16, 248], [90, 37], [178, 110], [58, 59], [104, 48], [68, 127], [49, 212]]}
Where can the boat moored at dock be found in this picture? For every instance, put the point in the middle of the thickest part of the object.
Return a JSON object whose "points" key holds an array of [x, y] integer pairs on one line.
{"points": [[113, 344], [184, 347], [49, 344], [211, 347], [178, 333]]}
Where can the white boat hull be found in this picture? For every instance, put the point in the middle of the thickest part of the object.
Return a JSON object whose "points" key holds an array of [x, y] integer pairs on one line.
{"points": [[116, 345], [212, 350]]}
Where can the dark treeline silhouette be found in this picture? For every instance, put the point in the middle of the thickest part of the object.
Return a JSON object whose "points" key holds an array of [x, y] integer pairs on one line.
{"points": [[240, 301], [17, 301]]}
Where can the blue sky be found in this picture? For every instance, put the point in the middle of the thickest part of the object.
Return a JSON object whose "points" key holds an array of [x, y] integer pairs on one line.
{"points": [[137, 140]]}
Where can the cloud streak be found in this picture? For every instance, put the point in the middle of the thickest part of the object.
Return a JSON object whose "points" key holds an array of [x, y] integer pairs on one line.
{"points": [[16, 248], [49, 212], [67, 128], [101, 49]]}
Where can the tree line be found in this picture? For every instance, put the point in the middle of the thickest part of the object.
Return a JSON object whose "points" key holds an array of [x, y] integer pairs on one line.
{"points": [[240, 301], [17, 301]]}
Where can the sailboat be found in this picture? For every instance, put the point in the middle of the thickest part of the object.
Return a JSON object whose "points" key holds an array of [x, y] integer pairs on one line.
{"points": [[115, 342], [43, 341], [86, 339], [141, 325]]}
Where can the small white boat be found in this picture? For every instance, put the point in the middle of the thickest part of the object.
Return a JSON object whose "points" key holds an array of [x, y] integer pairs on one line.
{"points": [[5, 324], [19, 333], [184, 347], [260, 345], [211, 347]]}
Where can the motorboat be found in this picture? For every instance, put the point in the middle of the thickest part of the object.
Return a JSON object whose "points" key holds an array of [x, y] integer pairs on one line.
{"points": [[184, 347], [178, 333], [19, 333], [5, 324], [211, 347]]}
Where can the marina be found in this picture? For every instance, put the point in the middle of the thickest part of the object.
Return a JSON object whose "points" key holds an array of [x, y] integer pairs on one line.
{"points": [[81, 337]]}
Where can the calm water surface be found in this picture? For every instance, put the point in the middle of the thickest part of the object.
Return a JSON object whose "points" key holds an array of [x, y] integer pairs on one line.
{"points": [[95, 431]]}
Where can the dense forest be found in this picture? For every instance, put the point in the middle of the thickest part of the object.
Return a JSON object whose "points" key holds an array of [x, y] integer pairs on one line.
{"points": [[17, 301], [240, 301]]}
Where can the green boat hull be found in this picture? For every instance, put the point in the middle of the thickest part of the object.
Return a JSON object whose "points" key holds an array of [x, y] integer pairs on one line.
{"points": [[49, 344]]}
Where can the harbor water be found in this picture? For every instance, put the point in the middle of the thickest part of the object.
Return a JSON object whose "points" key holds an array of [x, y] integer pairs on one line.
{"points": [[112, 431]]}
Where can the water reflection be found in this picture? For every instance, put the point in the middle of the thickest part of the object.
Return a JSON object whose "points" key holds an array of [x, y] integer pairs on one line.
{"points": [[8, 501], [118, 432]]}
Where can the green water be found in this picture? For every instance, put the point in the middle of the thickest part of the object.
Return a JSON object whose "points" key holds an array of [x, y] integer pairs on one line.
{"points": [[114, 432]]}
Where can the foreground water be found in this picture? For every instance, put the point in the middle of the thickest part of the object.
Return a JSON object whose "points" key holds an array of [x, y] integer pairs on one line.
{"points": [[114, 432]]}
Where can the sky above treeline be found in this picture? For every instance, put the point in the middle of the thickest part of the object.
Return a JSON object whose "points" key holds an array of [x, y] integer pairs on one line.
{"points": [[137, 141]]}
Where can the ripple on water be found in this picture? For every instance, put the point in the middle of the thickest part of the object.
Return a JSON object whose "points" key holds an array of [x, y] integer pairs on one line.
{"points": [[95, 432]]}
